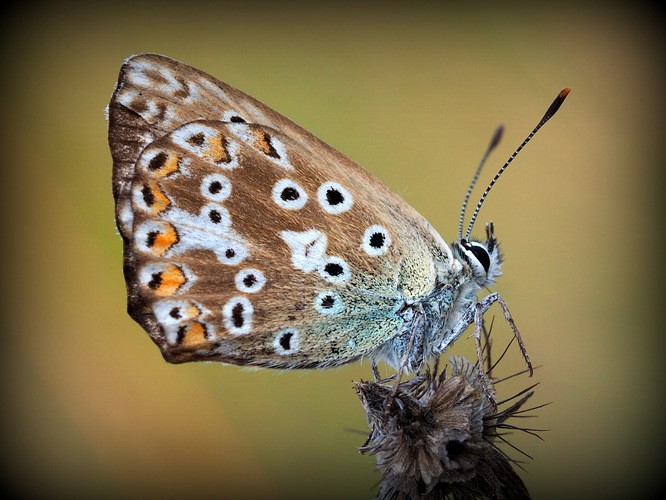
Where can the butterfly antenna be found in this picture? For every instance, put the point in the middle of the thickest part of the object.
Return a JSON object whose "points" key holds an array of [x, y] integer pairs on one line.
{"points": [[497, 136], [549, 114]]}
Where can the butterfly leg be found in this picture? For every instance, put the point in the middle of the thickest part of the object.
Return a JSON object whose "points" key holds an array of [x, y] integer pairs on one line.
{"points": [[417, 326], [514, 329]]}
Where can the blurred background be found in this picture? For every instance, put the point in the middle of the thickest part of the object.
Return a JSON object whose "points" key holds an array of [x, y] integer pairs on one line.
{"points": [[412, 93]]}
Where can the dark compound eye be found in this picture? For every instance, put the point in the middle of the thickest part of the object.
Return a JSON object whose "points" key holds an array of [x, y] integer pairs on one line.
{"points": [[480, 253]]}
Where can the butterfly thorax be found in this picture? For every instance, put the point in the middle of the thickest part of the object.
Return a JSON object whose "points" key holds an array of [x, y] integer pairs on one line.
{"points": [[430, 321]]}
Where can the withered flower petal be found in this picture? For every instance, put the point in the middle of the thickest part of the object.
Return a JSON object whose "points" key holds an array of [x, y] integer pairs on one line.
{"points": [[437, 438]]}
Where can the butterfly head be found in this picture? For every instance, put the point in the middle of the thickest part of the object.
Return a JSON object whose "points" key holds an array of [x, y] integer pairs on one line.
{"points": [[482, 258]]}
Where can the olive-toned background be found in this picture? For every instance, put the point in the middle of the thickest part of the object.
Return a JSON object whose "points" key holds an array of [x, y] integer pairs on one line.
{"points": [[411, 93]]}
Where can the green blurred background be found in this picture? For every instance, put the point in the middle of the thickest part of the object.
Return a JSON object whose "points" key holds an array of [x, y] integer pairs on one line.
{"points": [[412, 92]]}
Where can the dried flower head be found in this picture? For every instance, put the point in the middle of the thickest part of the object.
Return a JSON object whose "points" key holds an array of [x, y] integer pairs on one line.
{"points": [[437, 437]]}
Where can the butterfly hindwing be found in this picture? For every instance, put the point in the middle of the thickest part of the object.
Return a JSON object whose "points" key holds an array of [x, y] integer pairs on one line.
{"points": [[247, 239]]}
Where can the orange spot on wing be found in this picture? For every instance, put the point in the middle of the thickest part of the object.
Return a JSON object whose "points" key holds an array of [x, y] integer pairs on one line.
{"points": [[194, 334], [172, 278], [217, 149], [165, 240], [159, 199], [169, 166], [262, 143]]}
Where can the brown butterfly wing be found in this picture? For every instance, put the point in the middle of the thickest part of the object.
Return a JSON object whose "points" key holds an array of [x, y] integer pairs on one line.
{"points": [[248, 240]]}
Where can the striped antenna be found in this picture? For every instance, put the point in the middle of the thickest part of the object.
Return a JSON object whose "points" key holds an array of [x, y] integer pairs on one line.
{"points": [[497, 136], [549, 114]]}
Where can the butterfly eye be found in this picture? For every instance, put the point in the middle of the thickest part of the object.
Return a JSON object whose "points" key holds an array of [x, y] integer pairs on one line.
{"points": [[376, 241], [288, 194], [286, 342], [328, 303], [334, 198], [479, 252]]}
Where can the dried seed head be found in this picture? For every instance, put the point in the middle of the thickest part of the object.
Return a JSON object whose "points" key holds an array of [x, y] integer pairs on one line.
{"points": [[437, 439]]}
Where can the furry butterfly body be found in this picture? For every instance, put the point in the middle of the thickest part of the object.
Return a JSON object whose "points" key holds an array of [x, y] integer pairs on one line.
{"points": [[247, 240]]}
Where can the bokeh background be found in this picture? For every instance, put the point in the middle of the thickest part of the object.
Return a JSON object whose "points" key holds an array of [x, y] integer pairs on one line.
{"points": [[412, 92]]}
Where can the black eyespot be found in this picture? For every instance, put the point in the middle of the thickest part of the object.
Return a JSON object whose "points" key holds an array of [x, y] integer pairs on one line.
{"points": [[180, 335], [196, 139], [289, 194], [333, 269], [148, 196], [175, 313], [158, 161], [155, 281], [215, 187], [236, 119], [327, 302], [230, 252], [285, 340], [249, 280], [215, 216], [377, 240], [151, 237], [237, 315], [334, 197]]}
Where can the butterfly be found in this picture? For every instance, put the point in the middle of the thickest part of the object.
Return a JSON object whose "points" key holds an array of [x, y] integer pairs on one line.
{"points": [[247, 240]]}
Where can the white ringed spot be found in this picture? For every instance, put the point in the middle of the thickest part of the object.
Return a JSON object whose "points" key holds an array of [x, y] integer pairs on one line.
{"points": [[334, 198], [328, 303], [237, 315], [376, 241], [334, 270], [288, 194], [286, 342], [250, 280], [216, 187]]}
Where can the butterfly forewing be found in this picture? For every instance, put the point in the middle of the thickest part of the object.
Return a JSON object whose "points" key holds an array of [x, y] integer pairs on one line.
{"points": [[247, 239]]}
